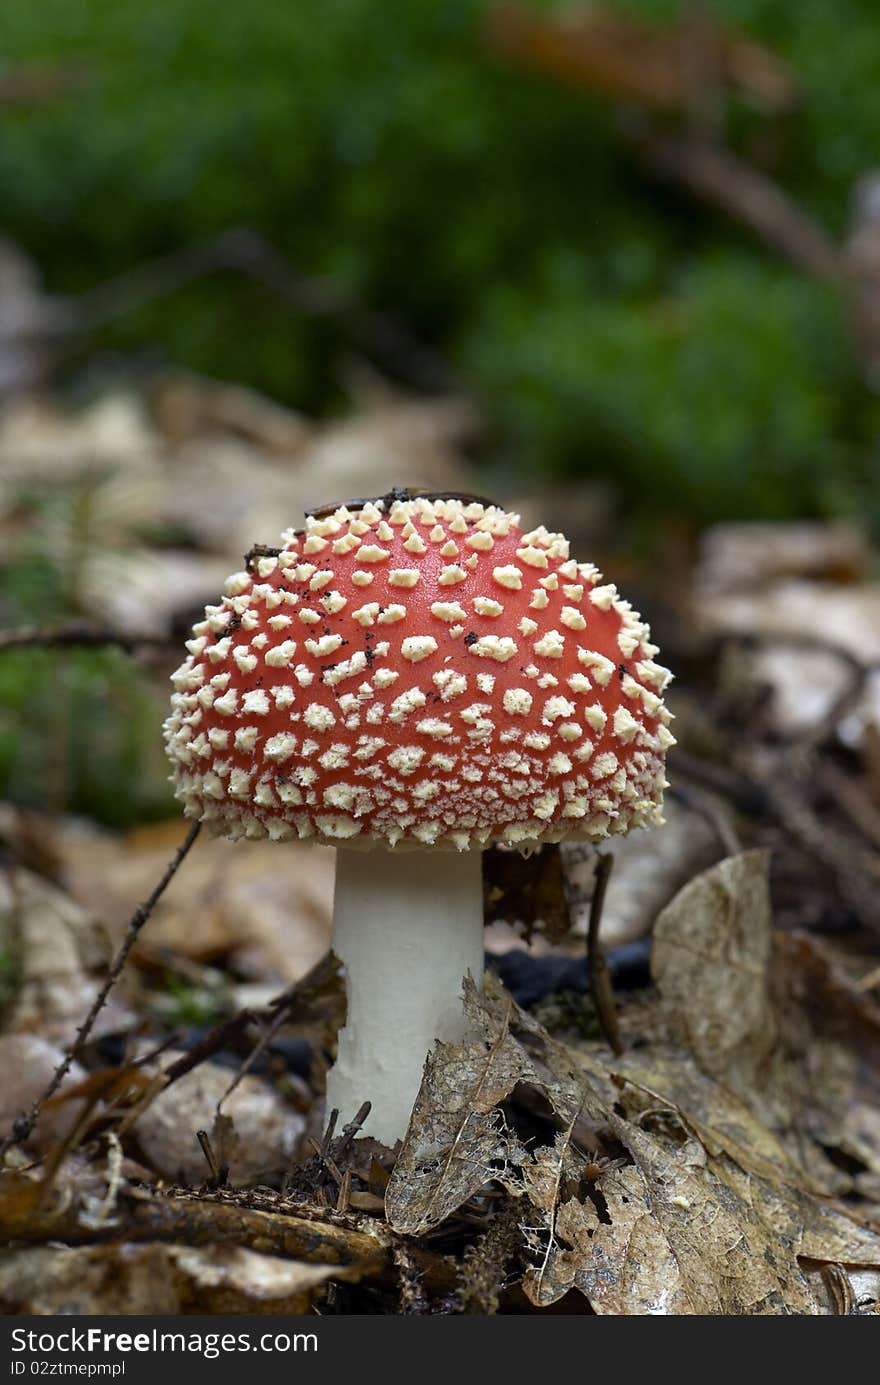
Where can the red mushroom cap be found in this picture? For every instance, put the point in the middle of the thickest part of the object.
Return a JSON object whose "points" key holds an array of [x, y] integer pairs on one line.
{"points": [[424, 674]]}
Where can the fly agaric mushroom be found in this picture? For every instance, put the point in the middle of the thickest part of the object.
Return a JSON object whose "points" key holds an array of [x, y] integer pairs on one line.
{"points": [[411, 680]]}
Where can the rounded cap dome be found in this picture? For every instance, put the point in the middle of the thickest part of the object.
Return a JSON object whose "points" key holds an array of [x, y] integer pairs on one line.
{"points": [[420, 673]]}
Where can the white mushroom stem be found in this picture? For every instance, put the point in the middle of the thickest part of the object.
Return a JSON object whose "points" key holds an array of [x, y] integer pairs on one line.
{"points": [[408, 928]]}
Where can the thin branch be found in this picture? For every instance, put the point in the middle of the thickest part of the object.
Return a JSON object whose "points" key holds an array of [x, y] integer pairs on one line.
{"points": [[76, 634], [858, 672], [249, 1218], [352, 1129], [24, 1126], [600, 977], [213, 1042], [220, 1217], [717, 176], [259, 1047], [852, 799], [248, 252], [698, 800], [219, 1173], [272, 1017], [343, 1201]]}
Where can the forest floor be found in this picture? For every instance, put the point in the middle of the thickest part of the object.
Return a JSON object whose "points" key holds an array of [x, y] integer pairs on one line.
{"points": [[706, 1139]]}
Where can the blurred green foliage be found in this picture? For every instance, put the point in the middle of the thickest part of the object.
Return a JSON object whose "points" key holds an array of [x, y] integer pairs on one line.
{"points": [[79, 733], [610, 326], [184, 1004], [78, 727]]}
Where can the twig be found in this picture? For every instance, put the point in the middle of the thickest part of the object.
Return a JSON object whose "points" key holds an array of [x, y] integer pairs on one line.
{"points": [[24, 1125], [397, 493], [858, 671], [219, 1172], [352, 1129], [856, 868], [278, 1012], [695, 797], [600, 977], [782, 778], [840, 1291], [328, 1161], [869, 980], [344, 1199], [205, 1146], [225, 1217], [852, 800], [259, 550], [314, 981], [79, 634], [717, 176], [262, 1043], [746, 795], [210, 1043], [313, 1177], [328, 1133], [247, 252], [59, 1152]]}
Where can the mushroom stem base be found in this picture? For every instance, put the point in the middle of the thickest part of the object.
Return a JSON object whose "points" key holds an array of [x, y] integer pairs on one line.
{"points": [[408, 929]]}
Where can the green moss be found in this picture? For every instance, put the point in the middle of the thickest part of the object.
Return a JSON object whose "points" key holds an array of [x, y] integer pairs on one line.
{"points": [[79, 728], [186, 1005], [610, 326]]}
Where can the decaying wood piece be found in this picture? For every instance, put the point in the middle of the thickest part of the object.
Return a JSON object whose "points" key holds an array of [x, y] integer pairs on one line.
{"points": [[257, 1221]]}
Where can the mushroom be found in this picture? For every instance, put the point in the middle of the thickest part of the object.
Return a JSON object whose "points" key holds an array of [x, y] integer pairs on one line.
{"points": [[411, 680]]}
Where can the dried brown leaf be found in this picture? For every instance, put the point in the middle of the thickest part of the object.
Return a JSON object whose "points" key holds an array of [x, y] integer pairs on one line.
{"points": [[59, 952], [271, 915], [233, 1279], [780, 1044], [123, 1279], [675, 1240], [141, 1279], [565, 1221], [677, 1232], [457, 1138], [710, 962], [27, 1064], [672, 1082], [707, 1215]]}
